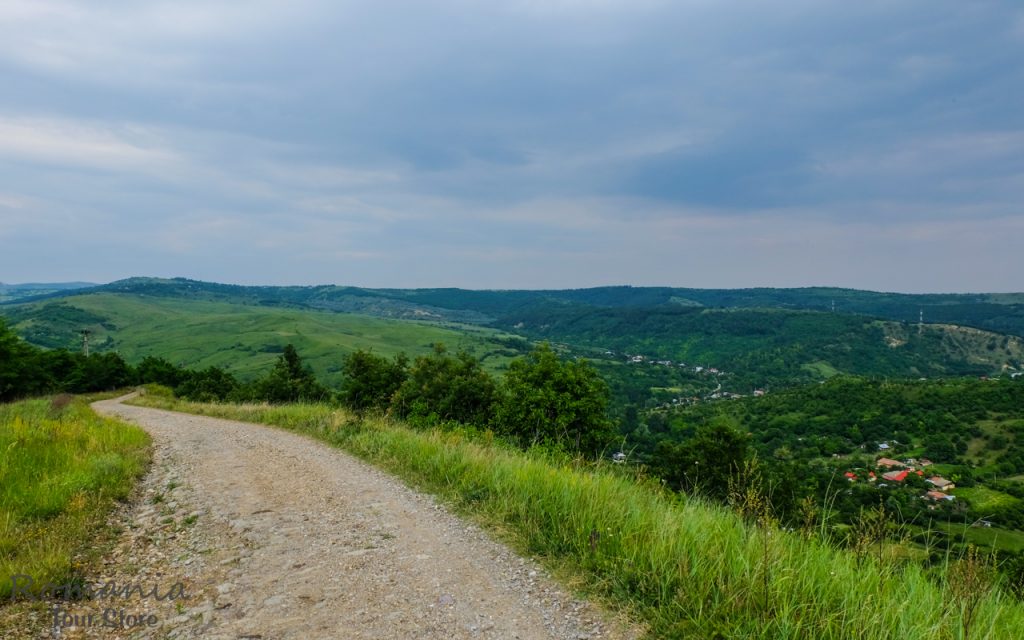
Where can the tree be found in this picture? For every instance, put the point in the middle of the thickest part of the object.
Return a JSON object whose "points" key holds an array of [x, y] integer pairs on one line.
{"points": [[939, 447], [553, 402], [99, 372], [707, 461], [160, 371], [440, 387], [370, 381], [20, 371], [290, 381], [59, 365], [207, 385]]}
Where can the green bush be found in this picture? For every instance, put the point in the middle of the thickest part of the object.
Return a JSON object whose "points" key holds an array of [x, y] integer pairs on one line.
{"points": [[553, 402], [441, 388]]}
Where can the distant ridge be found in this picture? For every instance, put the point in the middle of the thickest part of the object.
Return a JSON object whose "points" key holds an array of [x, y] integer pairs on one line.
{"points": [[47, 285], [998, 312], [759, 336], [33, 290]]}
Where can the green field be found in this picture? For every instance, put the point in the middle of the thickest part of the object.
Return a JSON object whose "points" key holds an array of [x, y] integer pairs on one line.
{"points": [[983, 499], [821, 369], [244, 339], [986, 537]]}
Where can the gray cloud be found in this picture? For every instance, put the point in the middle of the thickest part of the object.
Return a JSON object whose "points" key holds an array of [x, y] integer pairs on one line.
{"points": [[519, 143]]}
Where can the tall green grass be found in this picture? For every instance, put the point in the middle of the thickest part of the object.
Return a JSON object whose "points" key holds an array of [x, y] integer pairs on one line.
{"points": [[688, 568], [61, 468]]}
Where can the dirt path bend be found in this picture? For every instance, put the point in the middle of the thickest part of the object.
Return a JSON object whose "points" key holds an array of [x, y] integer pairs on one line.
{"points": [[276, 535]]}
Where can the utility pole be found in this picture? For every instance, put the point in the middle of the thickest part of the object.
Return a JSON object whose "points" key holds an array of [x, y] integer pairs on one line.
{"points": [[833, 306], [920, 321], [85, 342]]}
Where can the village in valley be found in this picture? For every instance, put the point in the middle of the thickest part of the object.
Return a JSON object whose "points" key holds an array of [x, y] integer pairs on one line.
{"points": [[889, 472], [704, 374]]}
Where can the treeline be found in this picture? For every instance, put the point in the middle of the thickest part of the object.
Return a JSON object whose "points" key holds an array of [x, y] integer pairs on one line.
{"points": [[541, 401], [27, 371]]}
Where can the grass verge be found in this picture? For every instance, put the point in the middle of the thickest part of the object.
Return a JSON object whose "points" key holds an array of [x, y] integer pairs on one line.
{"points": [[688, 568], [62, 467]]}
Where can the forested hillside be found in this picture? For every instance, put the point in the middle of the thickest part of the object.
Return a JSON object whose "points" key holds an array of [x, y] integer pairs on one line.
{"points": [[761, 347]]}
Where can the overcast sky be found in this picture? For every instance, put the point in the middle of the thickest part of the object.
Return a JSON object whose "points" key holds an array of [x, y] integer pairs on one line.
{"points": [[515, 144]]}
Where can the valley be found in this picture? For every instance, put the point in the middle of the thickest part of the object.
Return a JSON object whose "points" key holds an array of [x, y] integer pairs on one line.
{"points": [[898, 441]]}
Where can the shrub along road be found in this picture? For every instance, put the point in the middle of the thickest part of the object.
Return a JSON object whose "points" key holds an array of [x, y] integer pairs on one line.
{"points": [[304, 541]]}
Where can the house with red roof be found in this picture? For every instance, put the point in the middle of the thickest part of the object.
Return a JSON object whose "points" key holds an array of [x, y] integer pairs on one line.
{"points": [[941, 483], [896, 476]]}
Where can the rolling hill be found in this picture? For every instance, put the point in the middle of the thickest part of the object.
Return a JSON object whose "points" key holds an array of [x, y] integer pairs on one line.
{"points": [[997, 312], [759, 336], [244, 338]]}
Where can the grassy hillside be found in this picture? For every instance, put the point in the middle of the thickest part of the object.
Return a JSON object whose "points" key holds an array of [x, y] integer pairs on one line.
{"points": [[246, 339], [689, 569]]}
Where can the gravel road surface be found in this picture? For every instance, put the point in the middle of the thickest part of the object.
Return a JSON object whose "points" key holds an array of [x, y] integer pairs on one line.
{"points": [[275, 535]]}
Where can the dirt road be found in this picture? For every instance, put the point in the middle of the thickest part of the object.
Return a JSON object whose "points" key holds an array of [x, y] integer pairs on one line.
{"points": [[274, 535]]}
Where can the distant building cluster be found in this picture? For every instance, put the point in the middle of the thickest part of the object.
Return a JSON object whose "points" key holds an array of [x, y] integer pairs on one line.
{"points": [[640, 359], [897, 471], [717, 394]]}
